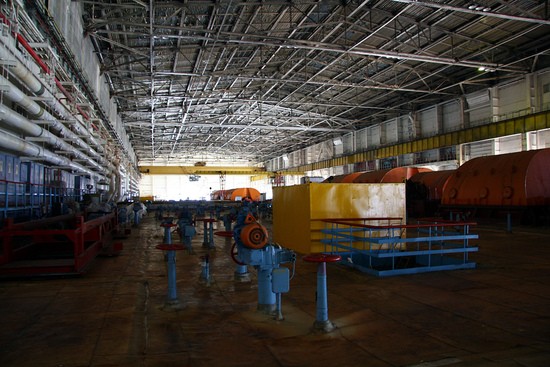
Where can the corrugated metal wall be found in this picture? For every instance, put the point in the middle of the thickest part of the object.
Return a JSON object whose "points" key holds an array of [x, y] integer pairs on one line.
{"points": [[476, 109]]}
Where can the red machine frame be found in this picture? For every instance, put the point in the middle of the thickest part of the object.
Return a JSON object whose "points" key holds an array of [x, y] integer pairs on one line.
{"points": [[34, 248]]}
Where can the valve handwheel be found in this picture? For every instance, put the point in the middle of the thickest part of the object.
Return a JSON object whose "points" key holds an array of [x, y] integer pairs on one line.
{"points": [[322, 258], [234, 254]]}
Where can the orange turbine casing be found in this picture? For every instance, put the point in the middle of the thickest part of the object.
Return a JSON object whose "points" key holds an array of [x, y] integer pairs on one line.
{"points": [[434, 182], [391, 175], [515, 179]]}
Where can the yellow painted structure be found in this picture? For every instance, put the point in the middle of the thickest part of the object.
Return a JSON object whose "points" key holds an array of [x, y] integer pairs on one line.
{"points": [[199, 170], [296, 209]]}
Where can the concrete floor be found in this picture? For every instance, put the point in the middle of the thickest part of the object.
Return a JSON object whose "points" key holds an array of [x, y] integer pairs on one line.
{"points": [[495, 315]]}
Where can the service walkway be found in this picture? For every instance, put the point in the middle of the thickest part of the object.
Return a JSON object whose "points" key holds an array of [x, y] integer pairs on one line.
{"points": [[496, 315]]}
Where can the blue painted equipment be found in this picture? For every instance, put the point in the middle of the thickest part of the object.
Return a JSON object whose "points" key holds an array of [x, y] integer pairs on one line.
{"points": [[251, 243], [172, 301], [378, 245], [322, 323], [205, 271], [227, 220], [122, 213], [208, 231], [241, 269], [168, 225], [138, 212], [186, 229]]}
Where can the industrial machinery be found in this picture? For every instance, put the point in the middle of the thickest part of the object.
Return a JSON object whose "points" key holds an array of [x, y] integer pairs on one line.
{"points": [[491, 186], [59, 245], [507, 180], [237, 194], [186, 228], [172, 301], [139, 211], [424, 192], [391, 175], [253, 248]]}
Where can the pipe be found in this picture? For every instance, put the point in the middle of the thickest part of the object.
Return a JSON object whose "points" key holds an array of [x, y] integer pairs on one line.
{"points": [[17, 96], [44, 67], [33, 83], [14, 121], [15, 144]]}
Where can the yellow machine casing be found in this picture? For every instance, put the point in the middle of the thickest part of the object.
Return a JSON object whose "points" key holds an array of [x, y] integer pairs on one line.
{"points": [[296, 209]]}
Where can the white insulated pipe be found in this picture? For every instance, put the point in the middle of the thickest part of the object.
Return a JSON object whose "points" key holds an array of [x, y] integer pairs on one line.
{"points": [[15, 144], [17, 96], [14, 121], [22, 71], [35, 85]]}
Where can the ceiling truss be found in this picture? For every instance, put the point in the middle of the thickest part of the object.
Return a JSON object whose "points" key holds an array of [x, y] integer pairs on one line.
{"points": [[246, 81]]}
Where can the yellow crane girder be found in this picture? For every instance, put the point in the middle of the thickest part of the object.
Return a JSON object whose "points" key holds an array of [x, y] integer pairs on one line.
{"points": [[200, 170]]}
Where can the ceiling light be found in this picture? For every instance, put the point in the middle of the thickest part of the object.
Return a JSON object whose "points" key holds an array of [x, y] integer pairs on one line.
{"points": [[478, 7]]}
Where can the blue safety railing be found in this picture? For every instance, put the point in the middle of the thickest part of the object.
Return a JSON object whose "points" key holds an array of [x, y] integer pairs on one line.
{"points": [[387, 246]]}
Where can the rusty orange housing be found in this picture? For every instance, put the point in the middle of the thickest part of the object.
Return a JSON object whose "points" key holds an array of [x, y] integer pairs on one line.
{"points": [[346, 178], [515, 179], [391, 175], [433, 182], [234, 194]]}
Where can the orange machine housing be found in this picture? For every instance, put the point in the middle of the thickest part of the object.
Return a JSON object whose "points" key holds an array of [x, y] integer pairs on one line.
{"points": [[345, 178], [515, 179], [391, 175], [235, 194], [432, 182]]}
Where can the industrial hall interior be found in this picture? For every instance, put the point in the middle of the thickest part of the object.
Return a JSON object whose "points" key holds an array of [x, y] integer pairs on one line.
{"points": [[275, 183]]}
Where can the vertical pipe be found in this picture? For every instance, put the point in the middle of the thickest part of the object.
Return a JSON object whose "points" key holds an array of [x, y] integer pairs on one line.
{"points": [[322, 301], [241, 273], [211, 234], [205, 271], [279, 315], [266, 297], [205, 234], [171, 265], [167, 234]]}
